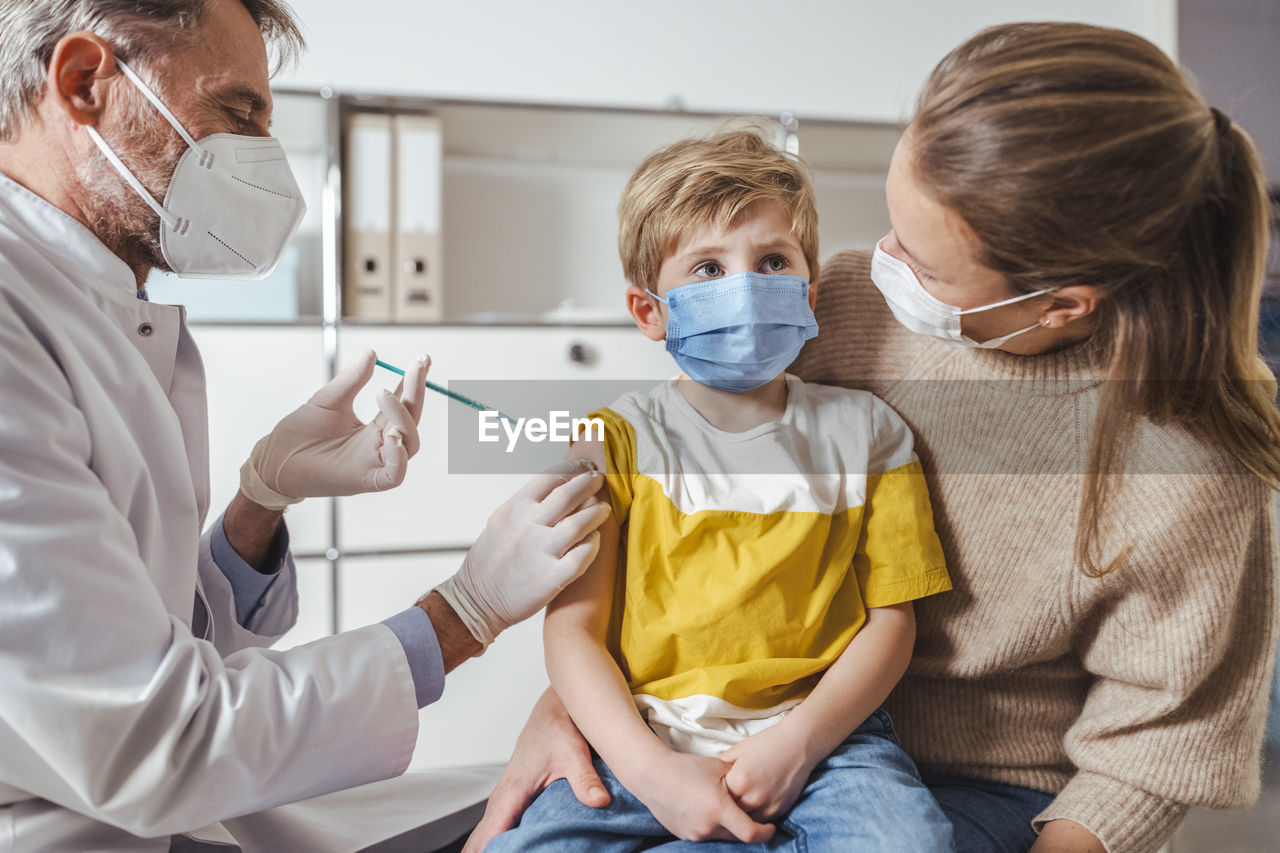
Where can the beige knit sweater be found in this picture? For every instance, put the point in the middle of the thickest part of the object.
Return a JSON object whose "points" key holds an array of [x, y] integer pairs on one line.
{"points": [[1132, 696]]}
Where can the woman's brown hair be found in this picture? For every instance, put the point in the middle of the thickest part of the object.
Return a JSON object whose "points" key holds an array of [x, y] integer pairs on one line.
{"points": [[1083, 155]]}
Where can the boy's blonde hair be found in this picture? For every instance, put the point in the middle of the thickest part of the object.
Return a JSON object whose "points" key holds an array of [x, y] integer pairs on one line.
{"points": [[696, 182]]}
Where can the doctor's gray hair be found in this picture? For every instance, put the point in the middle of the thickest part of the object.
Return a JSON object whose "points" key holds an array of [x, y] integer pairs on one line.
{"points": [[139, 30]]}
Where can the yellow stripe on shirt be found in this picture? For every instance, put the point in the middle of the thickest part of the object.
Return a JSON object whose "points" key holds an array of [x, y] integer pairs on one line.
{"points": [[752, 607]]}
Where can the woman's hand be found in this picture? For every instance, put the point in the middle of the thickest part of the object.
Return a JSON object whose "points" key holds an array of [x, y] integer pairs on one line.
{"points": [[549, 748], [1066, 836], [768, 771], [688, 795]]}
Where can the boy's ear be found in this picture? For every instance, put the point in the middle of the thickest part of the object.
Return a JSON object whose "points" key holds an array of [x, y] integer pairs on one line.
{"points": [[648, 312], [813, 293]]}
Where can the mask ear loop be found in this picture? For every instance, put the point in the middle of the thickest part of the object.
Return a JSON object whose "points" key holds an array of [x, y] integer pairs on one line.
{"points": [[959, 312], [169, 219], [156, 102], [1019, 298]]}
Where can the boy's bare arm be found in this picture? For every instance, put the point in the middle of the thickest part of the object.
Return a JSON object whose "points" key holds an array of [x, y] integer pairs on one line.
{"points": [[582, 671], [597, 697], [771, 767], [859, 681]]}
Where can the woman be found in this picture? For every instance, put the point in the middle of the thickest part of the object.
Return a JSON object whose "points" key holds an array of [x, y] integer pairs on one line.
{"points": [[1102, 445]]}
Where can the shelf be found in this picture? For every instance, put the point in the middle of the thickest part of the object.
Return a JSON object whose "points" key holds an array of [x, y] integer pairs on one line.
{"points": [[530, 194]]}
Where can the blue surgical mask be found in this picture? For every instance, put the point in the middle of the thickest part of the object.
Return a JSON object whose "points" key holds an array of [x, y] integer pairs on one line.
{"points": [[738, 332]]}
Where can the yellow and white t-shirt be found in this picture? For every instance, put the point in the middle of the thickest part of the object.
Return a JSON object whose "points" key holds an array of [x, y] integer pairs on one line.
{"points": [[748, 560]]}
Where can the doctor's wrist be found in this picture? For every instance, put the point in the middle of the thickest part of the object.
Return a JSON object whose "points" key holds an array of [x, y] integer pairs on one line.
{"points": [[250, 529], [456, 642]]}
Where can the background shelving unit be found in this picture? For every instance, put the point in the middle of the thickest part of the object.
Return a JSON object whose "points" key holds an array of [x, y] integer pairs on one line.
{"points": [[533, 291]]}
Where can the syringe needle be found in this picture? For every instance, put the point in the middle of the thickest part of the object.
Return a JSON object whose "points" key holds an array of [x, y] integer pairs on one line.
{"points": [[453, 395]]}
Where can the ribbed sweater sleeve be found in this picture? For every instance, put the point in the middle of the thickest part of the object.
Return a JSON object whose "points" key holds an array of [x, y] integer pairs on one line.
{"points": [[1178, 639], [1124, 818]]}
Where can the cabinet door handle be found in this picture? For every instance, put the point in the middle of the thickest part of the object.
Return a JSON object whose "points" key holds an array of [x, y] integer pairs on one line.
{"points": [[580, 353]]}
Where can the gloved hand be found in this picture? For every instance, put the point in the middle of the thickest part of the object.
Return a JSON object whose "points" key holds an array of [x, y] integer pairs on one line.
{"points": [[533, 546], [322, 449]]}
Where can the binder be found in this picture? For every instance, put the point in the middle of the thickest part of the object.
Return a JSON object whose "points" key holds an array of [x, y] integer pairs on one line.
{"points": [[367, 283], [417, 278]]}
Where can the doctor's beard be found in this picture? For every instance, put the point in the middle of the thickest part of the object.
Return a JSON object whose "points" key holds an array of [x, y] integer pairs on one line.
{"points": [[150, 148]]}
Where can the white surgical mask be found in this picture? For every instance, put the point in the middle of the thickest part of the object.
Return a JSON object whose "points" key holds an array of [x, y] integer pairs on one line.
{"points": [[232, 204], [918, 310]]}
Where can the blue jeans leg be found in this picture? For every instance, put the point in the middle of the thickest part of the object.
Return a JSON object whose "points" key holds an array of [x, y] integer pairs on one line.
{"points": [[557, 823], [988, 817], [865, 796]]}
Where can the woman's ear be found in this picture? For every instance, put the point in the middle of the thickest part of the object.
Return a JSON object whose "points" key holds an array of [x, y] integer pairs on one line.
{"points": [[80, 76], [1071, 304], [650, 314]]}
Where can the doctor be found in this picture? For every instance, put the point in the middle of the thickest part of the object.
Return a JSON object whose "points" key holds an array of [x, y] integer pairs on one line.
{"points": [[137, 698]]}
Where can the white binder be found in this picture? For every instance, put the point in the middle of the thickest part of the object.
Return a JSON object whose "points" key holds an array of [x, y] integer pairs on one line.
{"points": [[367, 283], [417, 278]]}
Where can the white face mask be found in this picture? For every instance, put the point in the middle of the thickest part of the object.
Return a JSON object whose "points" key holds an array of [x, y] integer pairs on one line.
{"points": [[918, 310], [232, 205]]}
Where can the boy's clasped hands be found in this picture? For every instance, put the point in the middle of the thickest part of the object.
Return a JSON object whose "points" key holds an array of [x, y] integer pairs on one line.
{"points": [[735, 796]]}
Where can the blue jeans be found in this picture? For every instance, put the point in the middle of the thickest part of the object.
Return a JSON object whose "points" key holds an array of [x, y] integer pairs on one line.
{"points": [[988, 817], [866, 795]]}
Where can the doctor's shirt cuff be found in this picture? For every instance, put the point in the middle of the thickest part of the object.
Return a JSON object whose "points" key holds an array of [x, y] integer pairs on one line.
{"points": [[248, 585], [415, 632]]}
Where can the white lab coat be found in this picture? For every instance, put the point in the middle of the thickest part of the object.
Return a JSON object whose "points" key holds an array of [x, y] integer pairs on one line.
{"points": [[117, 724]]}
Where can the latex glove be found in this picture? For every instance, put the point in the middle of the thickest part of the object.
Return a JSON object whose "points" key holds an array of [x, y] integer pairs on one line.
{"points": [[322, 449], [533, 546]]}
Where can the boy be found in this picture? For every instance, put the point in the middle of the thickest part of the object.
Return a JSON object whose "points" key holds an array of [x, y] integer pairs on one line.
{"points": [[750, 608]]}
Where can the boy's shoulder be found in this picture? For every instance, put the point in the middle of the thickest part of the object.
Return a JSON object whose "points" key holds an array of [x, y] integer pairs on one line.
{"points": [[639, 404], [851, 421], [821, 393]]}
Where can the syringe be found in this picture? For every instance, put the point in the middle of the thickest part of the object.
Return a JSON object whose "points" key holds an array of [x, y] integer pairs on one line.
{"points": [[453, 395]]}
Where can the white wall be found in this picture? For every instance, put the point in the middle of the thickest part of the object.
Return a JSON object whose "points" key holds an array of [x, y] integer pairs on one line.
{"points": [[860, 59], [1231, 46]]}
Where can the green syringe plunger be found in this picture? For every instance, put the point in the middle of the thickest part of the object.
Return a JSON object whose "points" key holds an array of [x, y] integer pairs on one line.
{"points": [[453, 395]]}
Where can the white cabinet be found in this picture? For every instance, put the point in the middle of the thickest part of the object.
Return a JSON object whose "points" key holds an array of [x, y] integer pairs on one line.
{"points": [[255, 376], [315, 603], [488, 699]]}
